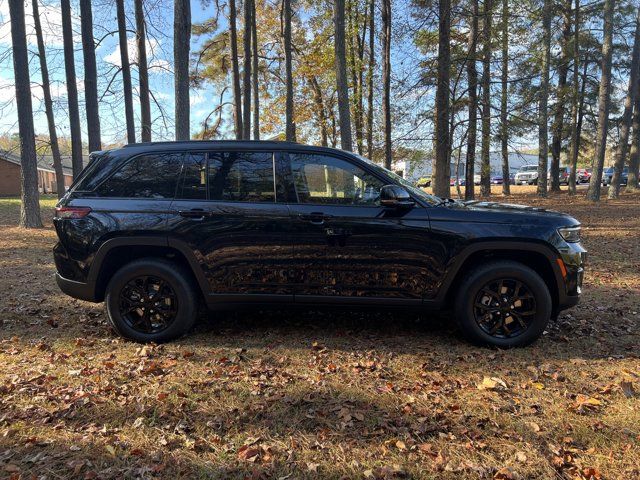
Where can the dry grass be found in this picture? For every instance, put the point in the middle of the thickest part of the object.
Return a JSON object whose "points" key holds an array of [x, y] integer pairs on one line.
{"points": [[322, 394]]}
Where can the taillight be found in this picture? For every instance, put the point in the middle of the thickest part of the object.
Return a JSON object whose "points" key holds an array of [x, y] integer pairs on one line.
{"points": [[72, 212]]}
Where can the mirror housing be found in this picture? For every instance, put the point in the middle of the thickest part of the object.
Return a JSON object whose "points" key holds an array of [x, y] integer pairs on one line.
{"points": [[394, 196]]}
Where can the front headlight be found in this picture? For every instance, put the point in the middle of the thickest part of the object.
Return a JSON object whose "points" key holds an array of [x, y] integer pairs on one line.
{"points": [[570, 234]]}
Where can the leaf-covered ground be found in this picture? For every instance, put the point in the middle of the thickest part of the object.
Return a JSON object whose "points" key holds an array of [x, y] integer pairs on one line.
{"points": [[321, 394]]}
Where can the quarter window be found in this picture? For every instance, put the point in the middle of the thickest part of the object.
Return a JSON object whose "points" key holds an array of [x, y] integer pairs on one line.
{"points": [[321, 179], [144, 176], [241, 177]]}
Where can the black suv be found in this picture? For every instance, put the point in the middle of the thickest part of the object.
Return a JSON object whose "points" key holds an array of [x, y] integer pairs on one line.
{"points": [[156, 229]]}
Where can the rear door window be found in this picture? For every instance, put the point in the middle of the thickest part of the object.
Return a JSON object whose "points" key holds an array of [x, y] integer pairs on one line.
{"points": [[241, 177], [145, 176]]}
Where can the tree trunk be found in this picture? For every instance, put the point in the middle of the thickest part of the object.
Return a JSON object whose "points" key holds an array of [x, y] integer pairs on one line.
{"points": [[319, 102], [442, 167], [126, 72], [472, 80], [543, 112], [356, 72], [575, 92], [485, 169], [235, 67], [386, 80], [504, 128], [290, 126], [246, 72], [558, 122], [72, 89], [181, 44], [254, 73], [604, 101], [143, 72], [48, 103], [372, 65], [634, 156], [341, 76], [90, 77], [630, 100], [30, 206]]}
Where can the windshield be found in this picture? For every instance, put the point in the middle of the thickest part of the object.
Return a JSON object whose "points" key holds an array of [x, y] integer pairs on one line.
{"points": [[412, 189], [529, 168]]}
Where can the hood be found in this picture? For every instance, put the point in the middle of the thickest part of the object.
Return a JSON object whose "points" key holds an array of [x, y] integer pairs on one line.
{"points": [[505, 213]]}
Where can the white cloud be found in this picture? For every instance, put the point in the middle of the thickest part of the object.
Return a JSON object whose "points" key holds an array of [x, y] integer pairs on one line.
{"points": [[152, 49]]}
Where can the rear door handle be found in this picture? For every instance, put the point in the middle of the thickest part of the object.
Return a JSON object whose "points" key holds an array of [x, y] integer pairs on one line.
{"points": [[316, 218], [194, 213]]}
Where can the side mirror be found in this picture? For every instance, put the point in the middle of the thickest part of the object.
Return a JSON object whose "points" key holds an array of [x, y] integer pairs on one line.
{"points": [[394, 196]]}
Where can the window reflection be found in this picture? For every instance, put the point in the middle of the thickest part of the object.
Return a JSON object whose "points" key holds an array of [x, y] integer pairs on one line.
{"points": [[241, 176], [323, 179]]}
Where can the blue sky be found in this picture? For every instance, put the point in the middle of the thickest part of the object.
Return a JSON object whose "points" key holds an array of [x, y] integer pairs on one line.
{"points": [[160, 54]]}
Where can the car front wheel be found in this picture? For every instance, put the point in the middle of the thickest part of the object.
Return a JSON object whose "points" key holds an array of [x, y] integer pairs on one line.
{"points": [[504, 304], [151, 300]]}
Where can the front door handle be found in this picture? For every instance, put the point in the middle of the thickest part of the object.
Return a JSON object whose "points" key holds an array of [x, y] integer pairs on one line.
{"points": [[315, 218], [194, 213]]}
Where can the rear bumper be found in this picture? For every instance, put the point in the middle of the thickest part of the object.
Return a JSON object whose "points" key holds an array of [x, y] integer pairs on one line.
{"points": [[79, 290]]}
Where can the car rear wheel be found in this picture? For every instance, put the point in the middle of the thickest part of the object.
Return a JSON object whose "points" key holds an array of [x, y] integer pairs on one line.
{"points": [[504, 304], [151, 300]]}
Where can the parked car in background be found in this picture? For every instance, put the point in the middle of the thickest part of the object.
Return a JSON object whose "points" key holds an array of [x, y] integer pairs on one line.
{"points": [[453, 181], [527, 175], [563, 175], [477, 179], [607, 176], [497, 180], [154, 230], [583, 175], [512, 179]]}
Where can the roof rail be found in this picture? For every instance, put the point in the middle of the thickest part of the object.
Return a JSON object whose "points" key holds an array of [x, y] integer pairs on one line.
{"points": [[176, 142]]}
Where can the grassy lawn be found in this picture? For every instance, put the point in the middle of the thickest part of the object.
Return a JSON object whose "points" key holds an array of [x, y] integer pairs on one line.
{"points": [[312, 394]]}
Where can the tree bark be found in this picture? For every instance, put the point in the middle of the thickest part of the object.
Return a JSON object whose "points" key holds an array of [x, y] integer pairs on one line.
{"points": [[575, 92], [356, 72], [181, 45], [143, 72], [341, 76], [504, 127], [372, 64], [630, 100], [246, 72], [254, 73], [386, 80], [560, 107], [30, 206], [90, 77], [72, 89], [543, 112], [604, 103], [290, 126], [441, 167], [235, 67], [485, 169], [48, 103], [126, 72], [634, 155], [472, 80], [322, 118]]}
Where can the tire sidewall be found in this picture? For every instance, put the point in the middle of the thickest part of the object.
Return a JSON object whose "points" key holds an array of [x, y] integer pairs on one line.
{"points": [[480, 277], [175, 277]]}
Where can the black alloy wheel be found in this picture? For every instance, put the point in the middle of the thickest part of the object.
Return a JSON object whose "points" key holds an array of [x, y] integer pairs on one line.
{"points": [[504, 308], [148, 304]]}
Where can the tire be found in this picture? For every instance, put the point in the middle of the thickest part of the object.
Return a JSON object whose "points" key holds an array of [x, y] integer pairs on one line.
{"points": [[179, 303], [513, 273]]}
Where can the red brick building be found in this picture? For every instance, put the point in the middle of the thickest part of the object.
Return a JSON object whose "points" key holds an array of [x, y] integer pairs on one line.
{"points": [[10, 174]]}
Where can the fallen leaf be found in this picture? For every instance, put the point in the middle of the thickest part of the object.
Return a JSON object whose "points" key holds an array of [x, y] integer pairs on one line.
{"points": [[627, 389], [492, 383]]}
